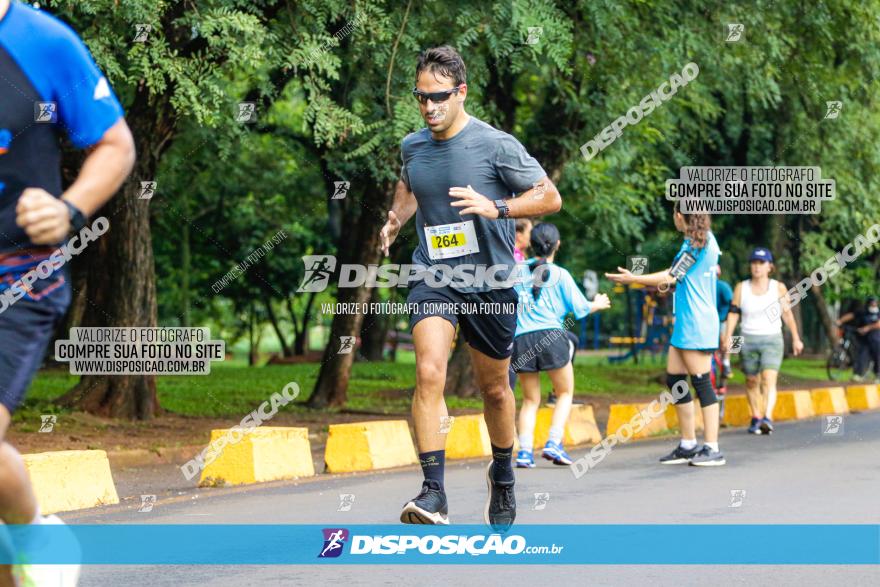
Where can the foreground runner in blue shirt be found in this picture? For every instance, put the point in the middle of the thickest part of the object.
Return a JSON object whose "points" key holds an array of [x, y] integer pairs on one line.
{"points": [[541, 344], [49, 86], [695, 335], [464, 181]]}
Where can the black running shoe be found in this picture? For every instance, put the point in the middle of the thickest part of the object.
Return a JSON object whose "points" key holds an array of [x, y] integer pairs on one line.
{"points": [[679, 456], [551, 398], [708, 458], [428, 508], [767, 426], [501, 506]]}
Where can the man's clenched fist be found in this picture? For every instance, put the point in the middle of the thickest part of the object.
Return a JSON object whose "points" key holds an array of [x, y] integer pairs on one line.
{"points": [[44, 218]]}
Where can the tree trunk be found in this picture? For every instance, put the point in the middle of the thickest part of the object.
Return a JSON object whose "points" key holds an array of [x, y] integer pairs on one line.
{"points": [[460, 371], [301, 327], [824, 315], [374, 332], [285, 348], [332, 384], [121, 293]]}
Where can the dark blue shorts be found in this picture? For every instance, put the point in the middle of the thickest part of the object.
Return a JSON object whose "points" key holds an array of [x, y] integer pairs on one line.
{"points": [[487, 320], [26, 329]]}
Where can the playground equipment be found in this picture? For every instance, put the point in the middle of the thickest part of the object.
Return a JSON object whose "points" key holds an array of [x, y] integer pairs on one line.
{"points": [[648, 328]]}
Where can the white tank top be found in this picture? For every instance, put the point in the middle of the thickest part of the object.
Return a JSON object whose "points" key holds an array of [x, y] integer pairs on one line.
{"points": [[755, 319]]}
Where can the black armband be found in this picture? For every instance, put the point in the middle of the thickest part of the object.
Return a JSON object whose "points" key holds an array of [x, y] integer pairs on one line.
{"points": [[684, 262], [734, 309]]}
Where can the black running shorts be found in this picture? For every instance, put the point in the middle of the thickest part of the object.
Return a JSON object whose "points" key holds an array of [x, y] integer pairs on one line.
{"points": [[487, 319]]}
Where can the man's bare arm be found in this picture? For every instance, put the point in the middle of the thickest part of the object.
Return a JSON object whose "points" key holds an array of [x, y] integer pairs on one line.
{"points": [[542, 199], [104, 170], [402, 209]]}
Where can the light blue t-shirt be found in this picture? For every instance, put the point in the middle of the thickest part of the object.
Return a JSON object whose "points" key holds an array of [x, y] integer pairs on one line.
{"points": [[553, 304], [696, 313]]}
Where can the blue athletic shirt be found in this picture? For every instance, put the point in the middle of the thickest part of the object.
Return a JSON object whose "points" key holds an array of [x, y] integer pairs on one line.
{"points": [[696, 314], [724, 299], [49, 85], [554, 303]]}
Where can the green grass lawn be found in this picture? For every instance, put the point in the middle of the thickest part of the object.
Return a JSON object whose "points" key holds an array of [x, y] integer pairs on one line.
{"points": [[234, 389]]}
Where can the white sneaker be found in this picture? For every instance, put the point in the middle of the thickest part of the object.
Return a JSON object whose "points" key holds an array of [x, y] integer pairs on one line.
{"points": [[61, 575]]}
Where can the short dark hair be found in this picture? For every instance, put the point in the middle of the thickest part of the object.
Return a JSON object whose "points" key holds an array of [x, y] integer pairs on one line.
{"points": [[443, 60]]}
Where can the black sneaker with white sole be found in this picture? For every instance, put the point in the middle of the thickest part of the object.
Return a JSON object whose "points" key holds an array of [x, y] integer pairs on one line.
{"points": [[429, 507], [679, 456], [766, 426], [708, 458], [500, 509]]}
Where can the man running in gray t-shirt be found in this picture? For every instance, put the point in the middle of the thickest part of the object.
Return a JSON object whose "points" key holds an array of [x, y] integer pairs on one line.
{"points": [[465, 181]]}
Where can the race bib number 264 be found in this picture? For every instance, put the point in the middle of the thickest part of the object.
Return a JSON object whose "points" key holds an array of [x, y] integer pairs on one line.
{"points": [[446, 241]]}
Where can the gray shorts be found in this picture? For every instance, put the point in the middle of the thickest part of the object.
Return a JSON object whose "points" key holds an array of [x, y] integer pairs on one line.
{"points": [[762, 352]]}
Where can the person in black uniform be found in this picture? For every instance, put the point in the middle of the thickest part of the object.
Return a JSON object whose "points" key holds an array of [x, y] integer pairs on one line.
{"points": [[867, 323]]}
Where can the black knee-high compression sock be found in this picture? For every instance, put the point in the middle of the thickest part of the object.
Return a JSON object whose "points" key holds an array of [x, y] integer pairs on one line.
{"points": [[433, 465], [502, 471]]}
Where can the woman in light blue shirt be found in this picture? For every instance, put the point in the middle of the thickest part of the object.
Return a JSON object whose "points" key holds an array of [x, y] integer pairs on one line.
{"points": [[694, 336], [547, 295]]}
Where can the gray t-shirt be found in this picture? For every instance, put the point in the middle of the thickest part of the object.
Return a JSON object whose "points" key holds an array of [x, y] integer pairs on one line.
{"points": [[495, 165]]}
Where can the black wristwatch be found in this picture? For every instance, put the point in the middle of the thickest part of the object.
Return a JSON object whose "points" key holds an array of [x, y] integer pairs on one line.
{"points": [[77, 218], [503, 210]]}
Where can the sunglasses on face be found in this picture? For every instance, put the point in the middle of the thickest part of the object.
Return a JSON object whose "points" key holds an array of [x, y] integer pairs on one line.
{"points": [[435, 97]]}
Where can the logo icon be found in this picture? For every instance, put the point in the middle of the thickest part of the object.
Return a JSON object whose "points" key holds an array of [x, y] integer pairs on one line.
{"points": [[346, 345], [142, 32], [102, 89], [247, 112], [334, 539], [47, 422], [45, 112], [541, 501], [736, 344], [637, 265], [340, 190], [833, 108], [540, 189], [346, 500], [147, 503], [446, 423], [535, 33], [734, 32], [319, 268], [832, 425], [737, 496], [148, 188]]}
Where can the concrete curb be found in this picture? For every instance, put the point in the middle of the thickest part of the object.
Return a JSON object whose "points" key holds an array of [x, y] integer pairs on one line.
{"points": [[862, 397], [468, 438], [829, 400], [266, 453], [71, 479], [364, 446]]}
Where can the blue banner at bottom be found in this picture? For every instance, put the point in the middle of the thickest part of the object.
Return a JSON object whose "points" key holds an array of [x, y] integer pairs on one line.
{"points": [[221, 544]]}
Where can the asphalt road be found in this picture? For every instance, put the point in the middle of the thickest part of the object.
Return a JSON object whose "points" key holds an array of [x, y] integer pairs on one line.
{"points": [[797, 475]]}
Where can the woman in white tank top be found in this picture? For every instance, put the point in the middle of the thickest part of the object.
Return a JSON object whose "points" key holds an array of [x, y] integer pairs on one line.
{"points": [[757, 300]]}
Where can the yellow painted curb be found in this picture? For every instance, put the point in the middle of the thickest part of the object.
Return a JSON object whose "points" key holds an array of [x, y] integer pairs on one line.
{"points": [[737, 411], [266, 453], [581, 427], [468, 438], [620, 415], [71, 480], [829, 400], [672, 416], [793, 405], [862, 397], [364, 446]]}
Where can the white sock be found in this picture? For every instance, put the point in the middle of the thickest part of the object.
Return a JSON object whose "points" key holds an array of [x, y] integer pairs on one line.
{"points": [[556, 434], [525, 441], [688, 443], [712, 445]]}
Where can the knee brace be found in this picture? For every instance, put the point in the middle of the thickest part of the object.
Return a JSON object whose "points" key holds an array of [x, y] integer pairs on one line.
{"points": [[703, 386], [671, 380]]}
